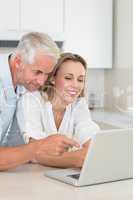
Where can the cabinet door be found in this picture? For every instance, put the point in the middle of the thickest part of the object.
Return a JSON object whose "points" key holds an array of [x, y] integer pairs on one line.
{"points": [[9, 15], [89, 30], [42, 15]]}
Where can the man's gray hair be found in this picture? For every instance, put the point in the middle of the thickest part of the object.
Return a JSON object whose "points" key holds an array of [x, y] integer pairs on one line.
{"points": [[34, 42]]}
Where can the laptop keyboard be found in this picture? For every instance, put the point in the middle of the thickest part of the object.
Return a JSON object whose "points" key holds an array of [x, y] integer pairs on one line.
{"points": [[75, 176]]}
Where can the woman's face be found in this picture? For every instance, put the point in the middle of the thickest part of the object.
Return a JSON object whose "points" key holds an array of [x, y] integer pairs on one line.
{"points": [[69, 81]]}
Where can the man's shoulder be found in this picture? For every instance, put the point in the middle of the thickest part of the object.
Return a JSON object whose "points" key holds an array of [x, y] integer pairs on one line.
{"points": [[3, 63], [5, 74], [31, 97]]}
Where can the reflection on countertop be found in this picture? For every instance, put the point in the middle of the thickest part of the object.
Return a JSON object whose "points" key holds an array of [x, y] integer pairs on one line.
{"points": [[108, 119], [106, 126]]}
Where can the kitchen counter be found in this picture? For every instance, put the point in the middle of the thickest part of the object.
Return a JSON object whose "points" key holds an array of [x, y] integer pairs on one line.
{"points": [[111, 119], [29, 183]]}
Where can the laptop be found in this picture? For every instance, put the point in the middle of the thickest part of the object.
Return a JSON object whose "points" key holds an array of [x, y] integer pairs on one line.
{"points": [[109, 158]]}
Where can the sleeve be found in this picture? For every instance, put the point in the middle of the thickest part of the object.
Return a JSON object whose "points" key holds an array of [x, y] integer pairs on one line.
{"points": [[0, 110], [0, 125], [29, 116], [84, 127]]}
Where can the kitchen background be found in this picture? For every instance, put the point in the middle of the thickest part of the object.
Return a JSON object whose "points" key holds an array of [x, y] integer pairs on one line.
{"points": [[99, 30]]}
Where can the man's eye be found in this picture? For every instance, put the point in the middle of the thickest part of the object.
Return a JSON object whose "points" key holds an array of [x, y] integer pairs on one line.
{"points": [[37, 72], [68, 78]]}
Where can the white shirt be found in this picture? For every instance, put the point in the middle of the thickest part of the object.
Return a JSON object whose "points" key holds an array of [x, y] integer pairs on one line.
{"points": [[36, 119], [7, 96]]}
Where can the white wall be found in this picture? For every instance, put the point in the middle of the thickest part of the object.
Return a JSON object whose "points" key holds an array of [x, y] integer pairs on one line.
{"points": [[119, 80], [95, 86]]}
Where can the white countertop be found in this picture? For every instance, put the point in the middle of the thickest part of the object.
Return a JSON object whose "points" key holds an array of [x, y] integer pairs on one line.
{"points": [[29, 183], [112, 118]]}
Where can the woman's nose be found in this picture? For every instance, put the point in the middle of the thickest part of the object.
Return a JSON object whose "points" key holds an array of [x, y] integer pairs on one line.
{"points": [[75, 83]]}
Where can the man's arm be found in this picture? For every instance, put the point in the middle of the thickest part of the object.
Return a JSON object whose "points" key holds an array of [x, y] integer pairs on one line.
{"points": [[67, 159], [11, 157]]}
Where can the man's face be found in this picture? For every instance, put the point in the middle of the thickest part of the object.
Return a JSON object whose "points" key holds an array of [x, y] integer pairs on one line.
{"points": [[33, 76]]}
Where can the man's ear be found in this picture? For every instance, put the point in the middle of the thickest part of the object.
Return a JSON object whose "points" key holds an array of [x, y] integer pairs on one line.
{"points": [[17, 62]]}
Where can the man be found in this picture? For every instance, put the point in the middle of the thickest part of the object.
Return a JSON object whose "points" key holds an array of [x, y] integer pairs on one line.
{"points": [[28, 66]]}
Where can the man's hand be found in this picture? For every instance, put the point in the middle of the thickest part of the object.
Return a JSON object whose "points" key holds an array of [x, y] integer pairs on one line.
{"points": [[56, 145]]}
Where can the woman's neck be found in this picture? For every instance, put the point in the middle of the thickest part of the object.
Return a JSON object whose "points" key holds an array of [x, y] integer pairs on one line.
{"points": [[58, 111], [57, 104]]}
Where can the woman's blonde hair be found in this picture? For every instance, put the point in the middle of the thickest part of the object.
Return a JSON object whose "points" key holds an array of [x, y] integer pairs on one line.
{"points": [[49, 86]]}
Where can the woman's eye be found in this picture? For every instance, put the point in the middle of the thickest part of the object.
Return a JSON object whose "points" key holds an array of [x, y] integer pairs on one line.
{"points": [[81, 80]]}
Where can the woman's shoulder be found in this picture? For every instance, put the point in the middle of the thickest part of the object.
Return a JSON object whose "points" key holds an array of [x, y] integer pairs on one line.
{"points": [[80, 109], [80, 102]]}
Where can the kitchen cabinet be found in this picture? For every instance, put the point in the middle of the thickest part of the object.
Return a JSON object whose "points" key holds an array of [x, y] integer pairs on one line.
{"points": [[86, 26], [9, 15], [88, 31], [42, 15], [21, 16]]}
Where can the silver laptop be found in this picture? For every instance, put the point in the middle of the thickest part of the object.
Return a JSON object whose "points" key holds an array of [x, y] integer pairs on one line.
{"points": [[109, 158]]}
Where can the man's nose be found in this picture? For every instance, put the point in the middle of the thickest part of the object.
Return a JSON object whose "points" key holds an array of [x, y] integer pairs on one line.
{"points": [[41, 80]]}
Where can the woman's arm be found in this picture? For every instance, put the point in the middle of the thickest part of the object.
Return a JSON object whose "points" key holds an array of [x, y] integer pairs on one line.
{"points": [[29, 115], [68, 159], [84, 127]]}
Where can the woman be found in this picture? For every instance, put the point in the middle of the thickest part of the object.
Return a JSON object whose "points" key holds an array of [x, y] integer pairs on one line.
{"points": [[60, 109]]}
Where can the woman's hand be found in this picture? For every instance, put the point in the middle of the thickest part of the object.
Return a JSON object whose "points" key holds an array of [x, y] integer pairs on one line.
{"points": [[81, 154]]}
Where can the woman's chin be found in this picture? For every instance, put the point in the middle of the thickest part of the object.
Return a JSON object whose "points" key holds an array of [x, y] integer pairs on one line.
{"points": [[69, 100]]}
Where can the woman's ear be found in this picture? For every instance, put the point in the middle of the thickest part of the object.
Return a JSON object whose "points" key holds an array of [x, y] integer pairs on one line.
{"points": [[52, 80]]}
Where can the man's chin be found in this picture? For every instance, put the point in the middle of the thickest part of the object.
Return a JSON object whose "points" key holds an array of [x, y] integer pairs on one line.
{"points": [[32, 89]]}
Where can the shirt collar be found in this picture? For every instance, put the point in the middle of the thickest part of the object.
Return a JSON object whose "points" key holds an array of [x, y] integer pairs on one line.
{"points": [[20, 90]]}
